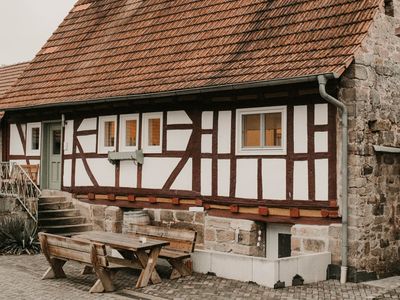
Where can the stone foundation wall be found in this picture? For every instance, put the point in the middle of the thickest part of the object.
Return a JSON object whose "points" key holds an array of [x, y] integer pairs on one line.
{"points": [[371, 90], [10, 206]]}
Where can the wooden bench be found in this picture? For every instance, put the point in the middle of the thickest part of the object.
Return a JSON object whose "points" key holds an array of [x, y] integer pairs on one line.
{"points": [[32, 171], [58, 250], [181, 241]]}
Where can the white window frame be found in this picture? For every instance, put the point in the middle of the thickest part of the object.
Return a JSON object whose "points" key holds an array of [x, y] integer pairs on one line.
{"points": [[275, 150], [122, 131], [145, 132], [101, 148], [29, 150]]}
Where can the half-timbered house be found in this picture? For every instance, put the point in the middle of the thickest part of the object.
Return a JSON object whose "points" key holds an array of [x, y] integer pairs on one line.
{"points": [[233, 107]]}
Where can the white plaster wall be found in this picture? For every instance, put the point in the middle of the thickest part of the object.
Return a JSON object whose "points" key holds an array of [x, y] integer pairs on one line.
{"points": [[88, 143], [224, 177], [127, 174], [68, 136], [184, 179], [206, 143], [81, 176], [274, 179], [178, 117], [177, 140], [224, 131], [246, 178], [18, 161], [321, 114], [102, 170], [321, 141], [88, 124], [321, 179], [206, 176], [207, 120], [16, 147], [300, 180], [300, 129], [67, 172], [156, 171]]}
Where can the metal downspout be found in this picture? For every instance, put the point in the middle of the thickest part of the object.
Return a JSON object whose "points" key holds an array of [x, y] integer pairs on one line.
{"points": [[322, 80]]}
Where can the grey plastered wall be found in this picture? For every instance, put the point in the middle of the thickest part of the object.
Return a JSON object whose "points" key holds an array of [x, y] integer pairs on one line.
{"points": [[371, 89]]}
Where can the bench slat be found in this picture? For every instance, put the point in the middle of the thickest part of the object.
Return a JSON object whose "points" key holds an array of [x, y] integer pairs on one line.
{"points": [[168, 253], [74, 244], [170, 233], [70, 254]]}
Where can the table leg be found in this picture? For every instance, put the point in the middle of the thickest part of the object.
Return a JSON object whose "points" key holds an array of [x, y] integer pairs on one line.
{"points": [[148, 263]]}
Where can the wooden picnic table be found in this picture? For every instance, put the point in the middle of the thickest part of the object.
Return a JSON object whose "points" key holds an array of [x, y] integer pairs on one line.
{"points": [[135, 252]]}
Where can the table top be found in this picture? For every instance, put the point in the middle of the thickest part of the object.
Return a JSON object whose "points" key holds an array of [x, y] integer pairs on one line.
{"points": [[121, 241]]}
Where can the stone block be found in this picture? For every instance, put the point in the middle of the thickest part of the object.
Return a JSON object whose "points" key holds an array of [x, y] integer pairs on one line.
{"points": [[335, 231], [217, 222], [166, 216], [225, 235], [314, 245], [111, 226], [295, 244], [248, 237], [210, 235], [184, 216], [98, 211], [243, 224], [199, 217], [114, 214]]}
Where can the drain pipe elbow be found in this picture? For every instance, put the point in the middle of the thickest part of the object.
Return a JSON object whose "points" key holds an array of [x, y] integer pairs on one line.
{"points": [[322, 80]]}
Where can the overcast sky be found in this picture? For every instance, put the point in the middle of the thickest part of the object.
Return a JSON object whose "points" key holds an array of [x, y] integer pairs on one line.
{"points": [[25, 25]]}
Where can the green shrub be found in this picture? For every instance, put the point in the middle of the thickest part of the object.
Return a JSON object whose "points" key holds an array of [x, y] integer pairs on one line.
{"points": [[18, 236]]}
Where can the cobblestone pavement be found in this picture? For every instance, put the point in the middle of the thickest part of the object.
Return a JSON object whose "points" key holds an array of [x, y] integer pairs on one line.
{"points": [[20, 279]]}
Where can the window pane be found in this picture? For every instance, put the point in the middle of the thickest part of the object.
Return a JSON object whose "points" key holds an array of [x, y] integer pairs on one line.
{"points": [[154, 132], [251, 130], [130, 133], [56, 141], [109, 133], [273, 129], [35, 139]]}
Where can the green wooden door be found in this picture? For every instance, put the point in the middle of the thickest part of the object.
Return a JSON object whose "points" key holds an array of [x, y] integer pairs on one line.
{"points": [[54, 157]]}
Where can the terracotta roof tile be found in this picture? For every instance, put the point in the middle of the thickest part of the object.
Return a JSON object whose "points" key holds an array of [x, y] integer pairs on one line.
{"points": [[107, 48], [9, 75]]}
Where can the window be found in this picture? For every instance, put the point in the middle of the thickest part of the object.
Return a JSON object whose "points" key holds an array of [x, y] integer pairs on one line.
{"points": [[278, 241], [33, 139], [261, 131], [389, 8], [152, 132], [128, 132], [107, 133]]}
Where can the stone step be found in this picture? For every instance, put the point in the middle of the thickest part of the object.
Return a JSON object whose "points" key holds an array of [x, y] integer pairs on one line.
{"points": [[51, 199], [71, 212], [57, 229], [61, 221], [55, 205]]}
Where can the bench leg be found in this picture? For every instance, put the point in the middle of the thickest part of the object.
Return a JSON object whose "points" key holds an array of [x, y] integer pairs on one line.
{"points": [[87, 270], [148, 263], [104, 283], [55, 270], [179, 268]]}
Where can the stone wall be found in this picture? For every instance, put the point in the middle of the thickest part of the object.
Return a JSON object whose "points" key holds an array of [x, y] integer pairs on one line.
{"points": [[214, 233], [371, 90], [11, 206]]}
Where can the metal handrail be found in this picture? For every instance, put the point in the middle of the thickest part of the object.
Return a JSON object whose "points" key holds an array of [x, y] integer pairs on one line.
{"points": [[15, 182]]}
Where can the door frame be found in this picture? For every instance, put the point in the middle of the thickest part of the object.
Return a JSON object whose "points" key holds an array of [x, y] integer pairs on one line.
{"points": [[44, 153]]}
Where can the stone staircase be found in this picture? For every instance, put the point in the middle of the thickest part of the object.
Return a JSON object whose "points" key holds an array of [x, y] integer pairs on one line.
{"points": [[58, 215]]}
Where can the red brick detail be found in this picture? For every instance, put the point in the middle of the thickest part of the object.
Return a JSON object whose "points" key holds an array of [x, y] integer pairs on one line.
{"points": [[294, 212], [324, 213], [199, 202], [175, 201], [131, 198], [333, 203], [207, 206], [111, 197], [264, 211], [333, 214], [91, 196], [152, 199], [234, 208]]}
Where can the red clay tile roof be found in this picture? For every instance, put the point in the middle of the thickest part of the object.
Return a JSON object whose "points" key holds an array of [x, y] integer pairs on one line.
{"points": [[107, 48], [9, 75]]}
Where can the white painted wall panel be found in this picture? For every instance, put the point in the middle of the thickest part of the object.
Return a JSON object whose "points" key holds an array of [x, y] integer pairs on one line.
{"points": [[184, 179], [224, 131], [16, 147], [88, 143], [177, 140], [156, 171], [67, 172], [178, 117], [321, 114], [81, 176], [300, 129], [321, 179], [224, 177], [127, 174], [274, 179], [206, 143], [206, 179], [103, 171], [246, 178], [207, 120], [300, 180], [68, 136], [18, 161], [88, 124], [321, 141]]}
